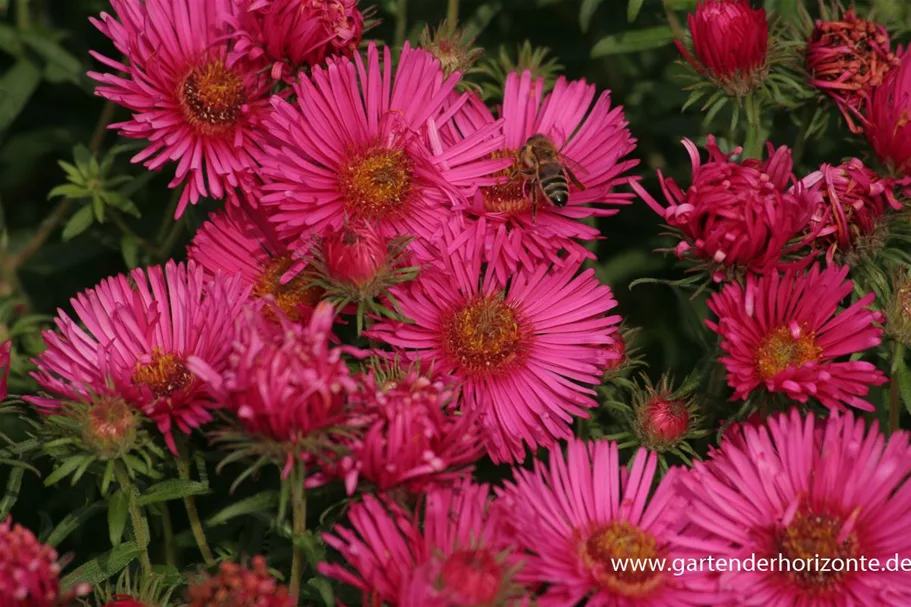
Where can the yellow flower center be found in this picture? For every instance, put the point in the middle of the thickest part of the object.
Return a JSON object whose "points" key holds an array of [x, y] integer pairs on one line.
{"points": [[485, 335], [377, 184], [780, 350], [507, 196], [212, 97], [810, 535], [621, 540], [164, 375], [289, 297]]}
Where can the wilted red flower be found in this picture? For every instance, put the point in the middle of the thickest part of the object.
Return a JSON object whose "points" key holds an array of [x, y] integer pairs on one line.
{"points": [[354, 253], [853, 198], [847, 59], [123, 600], [5, 360], [29, 572], [730, 41], [236, 586], [736, 214], [292, 34], [888, 125]]}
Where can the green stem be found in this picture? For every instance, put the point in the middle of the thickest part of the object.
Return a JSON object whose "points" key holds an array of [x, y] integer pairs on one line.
{"points": [[800, 142], [752, 147], [167, 222], [169, 553], [139, 525], [898, 355], [23, 14], [183, 469], [128, 231], [401, 22], [299, 526], [452, 12]]}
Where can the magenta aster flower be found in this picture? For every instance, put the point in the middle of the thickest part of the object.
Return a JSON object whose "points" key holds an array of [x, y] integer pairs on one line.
{"points": [[784, 332], [801, 488], [241, 587], [888, 128], [593, 140], [5, 360], [293, 34], [139, 332], [577, 514], [191, 105], [283, 380], [735, 214], [528, 349], [240, 241], [854, 198], [29, 571], [456, 536], [361, 144]]}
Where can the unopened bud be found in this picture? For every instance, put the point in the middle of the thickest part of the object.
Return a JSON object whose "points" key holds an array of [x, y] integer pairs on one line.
{"points": [[355, 254]]}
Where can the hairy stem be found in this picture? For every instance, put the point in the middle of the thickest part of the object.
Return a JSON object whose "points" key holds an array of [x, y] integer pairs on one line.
{"points": [[169, 553], [898, 355], [401, 22], [452, 12], [752, 146], [183, 469], [299, 526], [136, 519]]}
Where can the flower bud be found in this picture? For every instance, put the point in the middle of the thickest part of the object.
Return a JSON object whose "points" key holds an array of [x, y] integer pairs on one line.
{"points": [[123, 600], [898, 313], [664, 421], [888, 128], [452, 47], [730, 41], [109, 426], [355, 254]]}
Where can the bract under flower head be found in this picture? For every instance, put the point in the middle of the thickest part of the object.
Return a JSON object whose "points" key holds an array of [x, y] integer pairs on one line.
{"points": [[736, 215], [139, 332], [592, 141], [730, 41], [848, 59], [782, 332], [187, 100]]}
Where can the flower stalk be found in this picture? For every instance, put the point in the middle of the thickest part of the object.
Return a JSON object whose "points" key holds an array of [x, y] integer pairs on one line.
{"points": [[298, 526], [136, 519], [183, 469], [898, 356]]}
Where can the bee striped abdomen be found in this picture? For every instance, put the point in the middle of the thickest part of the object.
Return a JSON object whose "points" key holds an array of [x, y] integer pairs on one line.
{"points": [[556, 188]]}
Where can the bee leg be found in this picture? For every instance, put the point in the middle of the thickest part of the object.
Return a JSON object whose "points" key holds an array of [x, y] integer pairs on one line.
{"points": [[534, 204], [573, 178]]}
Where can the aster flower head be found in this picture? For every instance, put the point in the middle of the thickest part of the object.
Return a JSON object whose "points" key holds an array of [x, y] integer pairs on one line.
{"points": [[5, 361], [784, 333], [528, 349], [799, 488], [238, 586], [284, 381], [453, 551], [730, 44], [415, 437], [735, 215], [584, 509], [240, 241], [853, 201], [361, 143], [591, 144], [664, 418], [293, 34], [139, 332], [187, 100], [847, 58], [888, 128]]}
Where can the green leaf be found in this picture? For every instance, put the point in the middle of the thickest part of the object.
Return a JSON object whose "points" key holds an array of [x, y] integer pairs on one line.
{"points": [[65, 63], [102, 567], [72, 522], [118, 512], [13, 483], [587, 12], [78, 223], [16, 87], [636, 40], [68, 467], [633, 8], [171, 489], [266, 500], [70, 190], [129, 246], [324, 588]]}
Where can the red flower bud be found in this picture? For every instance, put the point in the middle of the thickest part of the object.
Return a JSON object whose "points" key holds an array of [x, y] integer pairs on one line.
{"points": [[123, 600], [355, 254], [664, 421]]}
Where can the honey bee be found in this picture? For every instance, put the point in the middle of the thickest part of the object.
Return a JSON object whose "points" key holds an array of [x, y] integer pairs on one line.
{"points": [[546, 170]]}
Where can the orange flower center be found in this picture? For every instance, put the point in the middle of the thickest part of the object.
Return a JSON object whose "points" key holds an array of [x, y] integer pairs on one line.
{"points": [[212, 97], [780, 350], [473, 576], [289, 297], [164, 375], [507, 196], [377, 184], [620, 540], [810, 535], [485, 335]]}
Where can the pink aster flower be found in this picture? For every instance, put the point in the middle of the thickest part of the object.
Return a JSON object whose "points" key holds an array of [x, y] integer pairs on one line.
{"points": [[5, 360], [801, 488], [293, 34], [240, 241], [415, 437], [529, 349], [784, 332], [854, 198], [124, 600], [455, 549], [360, 143], [735, 214], [888, 127], [585, 509], [139, 332], [192, 106], [240, 586], [523, 227], [283, 380]]}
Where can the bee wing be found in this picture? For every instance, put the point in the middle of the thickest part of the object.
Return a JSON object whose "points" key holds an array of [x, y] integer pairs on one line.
{"points": [[573, 168]]}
